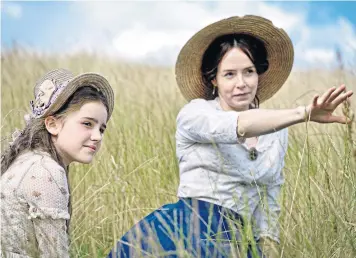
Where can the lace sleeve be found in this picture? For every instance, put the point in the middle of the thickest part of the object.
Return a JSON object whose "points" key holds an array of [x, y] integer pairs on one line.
{"points": [[45, 189]]}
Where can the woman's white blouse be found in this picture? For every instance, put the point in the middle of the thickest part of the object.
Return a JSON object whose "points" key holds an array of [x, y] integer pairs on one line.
{"points": [[215, 166]]}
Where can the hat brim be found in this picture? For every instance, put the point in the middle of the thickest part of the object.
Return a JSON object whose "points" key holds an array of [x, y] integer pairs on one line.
{"points": [[279, 47], [86, 79]]}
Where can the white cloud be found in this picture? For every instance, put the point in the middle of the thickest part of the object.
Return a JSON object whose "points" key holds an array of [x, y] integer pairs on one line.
{"points": [[154, 31], [348, 35], [318, 44], [138, 42], [318, 55], [12, 9]]}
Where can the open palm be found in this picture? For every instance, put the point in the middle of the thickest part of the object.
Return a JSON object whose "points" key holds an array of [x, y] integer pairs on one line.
{"points": [[322, 108]]}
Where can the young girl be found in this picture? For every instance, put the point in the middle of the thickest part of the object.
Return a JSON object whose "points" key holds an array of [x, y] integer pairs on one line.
{"points": [[230, 152], [67, 124]]}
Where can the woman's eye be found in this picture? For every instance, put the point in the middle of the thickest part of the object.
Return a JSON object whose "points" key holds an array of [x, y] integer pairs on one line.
{"points": [[229, 74], [250, 71], [102, 131]]}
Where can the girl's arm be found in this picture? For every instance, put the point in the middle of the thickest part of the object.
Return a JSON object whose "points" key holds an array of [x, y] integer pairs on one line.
{"points": [[52, 237], [46, 192]]}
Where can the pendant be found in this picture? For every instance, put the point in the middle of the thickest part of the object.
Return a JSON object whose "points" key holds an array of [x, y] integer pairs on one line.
{"points": [[252, 153]]}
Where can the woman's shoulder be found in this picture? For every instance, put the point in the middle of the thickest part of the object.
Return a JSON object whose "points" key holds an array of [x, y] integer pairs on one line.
{"points": [[199, 103]]}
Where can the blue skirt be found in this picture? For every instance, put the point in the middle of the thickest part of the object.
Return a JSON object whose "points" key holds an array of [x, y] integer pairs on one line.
{"points": [[189, 228]]}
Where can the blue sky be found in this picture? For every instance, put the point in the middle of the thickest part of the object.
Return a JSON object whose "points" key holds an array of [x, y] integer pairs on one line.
{"points": [[153, 32]]}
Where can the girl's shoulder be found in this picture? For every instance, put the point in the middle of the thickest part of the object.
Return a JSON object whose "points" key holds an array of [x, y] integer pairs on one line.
{"points": [[36, 179], [36, 161], [43, 162], [36, 156]]}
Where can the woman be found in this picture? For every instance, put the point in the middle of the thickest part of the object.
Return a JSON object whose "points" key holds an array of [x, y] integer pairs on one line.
{"points": [[230, 152], [67, 123]]}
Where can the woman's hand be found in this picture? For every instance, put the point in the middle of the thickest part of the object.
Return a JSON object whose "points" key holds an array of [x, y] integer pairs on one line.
{"points": [[322, 108]]}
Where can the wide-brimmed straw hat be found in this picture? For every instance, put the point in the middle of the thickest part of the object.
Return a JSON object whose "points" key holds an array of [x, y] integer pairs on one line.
{"points": [[279, 47], [54, 88]]}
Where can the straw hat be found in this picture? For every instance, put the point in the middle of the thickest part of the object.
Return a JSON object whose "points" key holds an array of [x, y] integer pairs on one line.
{"points": [[54, 88], [280, 55]]}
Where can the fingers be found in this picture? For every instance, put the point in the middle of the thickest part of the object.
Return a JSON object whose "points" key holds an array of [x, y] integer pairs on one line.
{"points": [[315, 100], [342, 98], [336, 93], [340, 120], [327, 94]]}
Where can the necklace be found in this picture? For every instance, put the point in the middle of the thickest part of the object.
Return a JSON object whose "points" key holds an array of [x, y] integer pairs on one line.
{"points": [[252, 153]]}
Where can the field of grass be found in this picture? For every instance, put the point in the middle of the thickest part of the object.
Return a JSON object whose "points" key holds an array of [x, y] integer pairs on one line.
{"points": [[136, 170]]}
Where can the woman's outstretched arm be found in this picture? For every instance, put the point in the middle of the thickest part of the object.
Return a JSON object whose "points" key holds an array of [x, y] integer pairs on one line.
{"points": [[199, 122], [257, 122]]}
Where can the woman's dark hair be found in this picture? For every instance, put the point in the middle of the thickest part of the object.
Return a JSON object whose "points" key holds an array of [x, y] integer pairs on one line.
{"points": [[251, 46]]}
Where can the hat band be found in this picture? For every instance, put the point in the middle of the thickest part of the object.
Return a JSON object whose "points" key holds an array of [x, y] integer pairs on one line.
{"points": [[37, 111]]}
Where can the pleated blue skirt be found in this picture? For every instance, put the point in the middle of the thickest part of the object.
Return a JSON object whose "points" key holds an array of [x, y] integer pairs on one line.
{"points": [[187, 228]]}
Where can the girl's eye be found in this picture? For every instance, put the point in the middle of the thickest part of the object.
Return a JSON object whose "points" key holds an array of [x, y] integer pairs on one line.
{"points": [[102, 130], [87, 124]]}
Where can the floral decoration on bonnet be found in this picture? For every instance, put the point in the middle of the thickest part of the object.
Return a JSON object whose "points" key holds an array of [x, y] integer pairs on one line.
{"points": [[48, 91]]}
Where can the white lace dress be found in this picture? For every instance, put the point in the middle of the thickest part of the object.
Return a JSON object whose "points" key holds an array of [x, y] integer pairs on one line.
{"points": [[34, 208]]}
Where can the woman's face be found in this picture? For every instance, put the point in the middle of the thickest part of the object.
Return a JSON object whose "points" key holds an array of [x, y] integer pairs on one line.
{"points": [[237, 80]]}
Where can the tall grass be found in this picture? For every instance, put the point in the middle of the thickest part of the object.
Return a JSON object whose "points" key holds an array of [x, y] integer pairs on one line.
{"points": [[136, 170]]}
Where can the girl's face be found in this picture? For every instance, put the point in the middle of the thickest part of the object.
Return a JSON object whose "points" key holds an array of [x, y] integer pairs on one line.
{"points": [[237, 81], [80, 133]]}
